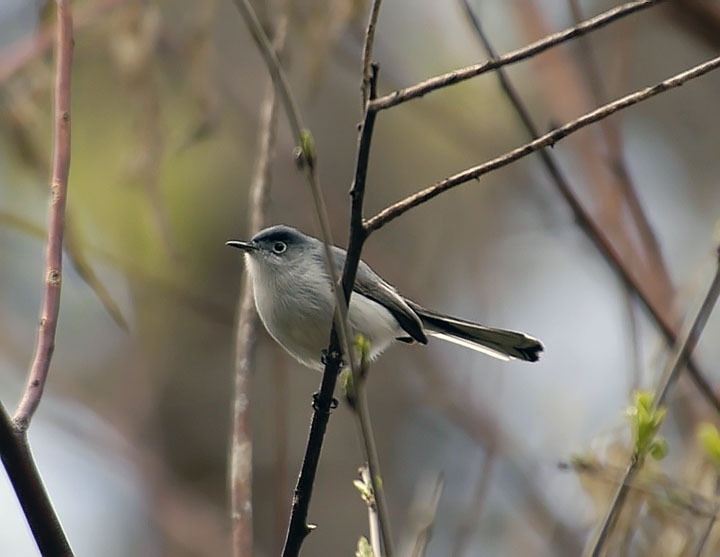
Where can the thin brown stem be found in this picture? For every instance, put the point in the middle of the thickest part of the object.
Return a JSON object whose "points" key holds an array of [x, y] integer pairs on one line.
{"points": [[373, 518], [56, 225], [616, 160], [463, 74], [675, 365], [298, 528], [248, 325], [547, 140], [359, 404], [307, 160], [14, 448]]}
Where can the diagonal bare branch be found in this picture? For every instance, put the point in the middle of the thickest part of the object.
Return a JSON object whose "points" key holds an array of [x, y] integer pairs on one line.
{"points": [[547, 140], [463, 74]]}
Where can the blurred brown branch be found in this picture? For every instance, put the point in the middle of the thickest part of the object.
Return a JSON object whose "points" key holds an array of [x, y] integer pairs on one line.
{"points": [[700, 17], [425, 519], [651, 254], [589, 224], [210, 310], [248, 323], [14, 448], [457, 76], [477, 421], [35, 158], [651, 484], [29, 48]]}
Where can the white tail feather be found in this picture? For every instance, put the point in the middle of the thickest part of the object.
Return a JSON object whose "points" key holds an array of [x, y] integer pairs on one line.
{"points": [[472, 345]]}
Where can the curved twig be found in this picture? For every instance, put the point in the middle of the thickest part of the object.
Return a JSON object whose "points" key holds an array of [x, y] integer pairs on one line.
{"points": [[14, 448], [56, 226]]}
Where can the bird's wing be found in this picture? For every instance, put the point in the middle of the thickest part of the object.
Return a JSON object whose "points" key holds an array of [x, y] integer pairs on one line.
{"points": [[369, 284]]}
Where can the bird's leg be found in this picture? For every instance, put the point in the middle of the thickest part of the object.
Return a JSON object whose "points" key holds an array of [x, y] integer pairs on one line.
{"points": [[326, 358], [316, 401]]}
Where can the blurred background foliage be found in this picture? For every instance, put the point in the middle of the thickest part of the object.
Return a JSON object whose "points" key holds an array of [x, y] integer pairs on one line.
{"points": [[132, 437]]}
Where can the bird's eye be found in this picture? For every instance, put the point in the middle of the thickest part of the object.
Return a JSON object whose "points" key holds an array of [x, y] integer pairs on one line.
{"points": [[279, 247]]}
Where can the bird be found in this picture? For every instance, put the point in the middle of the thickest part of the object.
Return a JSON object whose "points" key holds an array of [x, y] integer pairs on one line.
{"points": [[294, 298]]}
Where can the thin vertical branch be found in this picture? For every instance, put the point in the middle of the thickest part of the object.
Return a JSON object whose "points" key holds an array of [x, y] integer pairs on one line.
{"points": [[373, 517], [56, 225], [367, 52], [373, 465], [298, 528], [357, 399], [675, 365], [616, 160], [248, 325], [306, 158], [14, 448]]}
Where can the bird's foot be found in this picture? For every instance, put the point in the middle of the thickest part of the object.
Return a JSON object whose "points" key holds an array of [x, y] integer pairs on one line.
{"points": [[325, 358], [316, 402]]}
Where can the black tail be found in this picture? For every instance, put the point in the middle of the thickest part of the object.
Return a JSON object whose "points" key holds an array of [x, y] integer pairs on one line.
{"points": [[500, 343]]}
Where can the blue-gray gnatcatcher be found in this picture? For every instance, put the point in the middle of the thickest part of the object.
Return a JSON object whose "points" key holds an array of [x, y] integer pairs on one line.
{"points": [[294, 298]]}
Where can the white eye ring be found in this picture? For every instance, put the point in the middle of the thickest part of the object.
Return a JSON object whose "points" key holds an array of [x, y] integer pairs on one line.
{"points": [[279, 247]]}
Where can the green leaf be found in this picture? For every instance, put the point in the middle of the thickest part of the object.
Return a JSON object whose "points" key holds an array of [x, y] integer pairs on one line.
{"points": [[362, 345], [659, 449], [305, 152], [645, 421], [365, 491], [346, 382], [709, 438], [364, 549]]}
